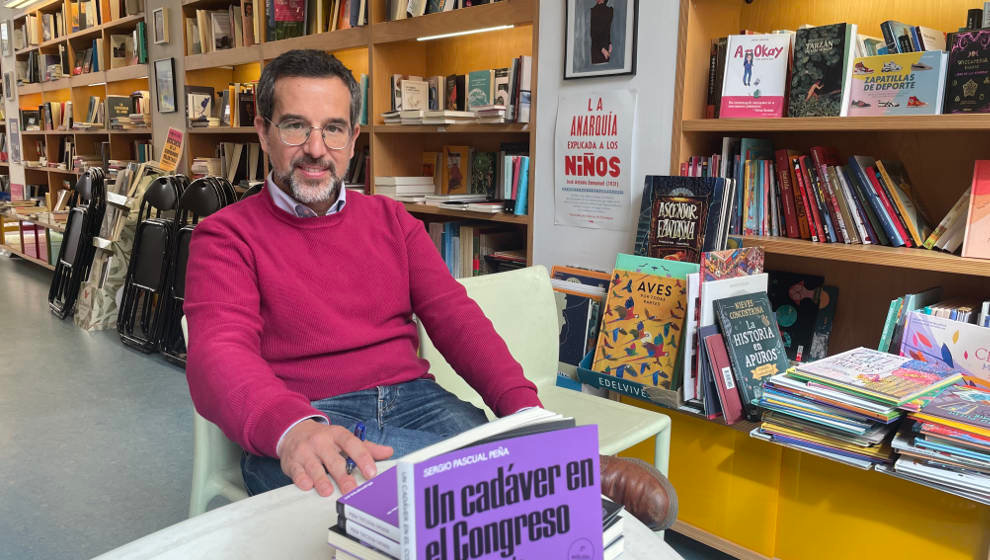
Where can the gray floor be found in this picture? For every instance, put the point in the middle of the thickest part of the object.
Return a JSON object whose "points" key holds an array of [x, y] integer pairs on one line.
{"points": [[96, 438]]}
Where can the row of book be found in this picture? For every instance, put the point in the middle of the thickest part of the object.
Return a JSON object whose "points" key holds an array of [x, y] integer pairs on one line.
{"points": [[833, 71], [867, 201], [496, 95], [125, 112], [402, 9], [214, 30], [465, 247], [125, 50]]}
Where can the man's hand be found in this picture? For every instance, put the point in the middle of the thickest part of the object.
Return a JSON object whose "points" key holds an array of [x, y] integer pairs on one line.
{"points": [[310, 450]]}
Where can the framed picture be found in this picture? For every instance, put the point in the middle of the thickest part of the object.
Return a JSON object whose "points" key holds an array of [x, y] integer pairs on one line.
{"points": [[160, 21], [165, 82], [599, 38], [5, 38]]}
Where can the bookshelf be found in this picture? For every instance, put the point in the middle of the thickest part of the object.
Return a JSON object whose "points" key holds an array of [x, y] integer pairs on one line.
{"points": [[752, 499], [379, 49]]}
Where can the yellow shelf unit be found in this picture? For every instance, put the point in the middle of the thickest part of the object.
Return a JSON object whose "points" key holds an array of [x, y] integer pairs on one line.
{"points": [[754, 499], [380, 49]]}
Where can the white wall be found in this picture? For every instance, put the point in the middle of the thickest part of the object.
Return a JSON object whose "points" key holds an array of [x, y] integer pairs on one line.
{"points": [[654, 81]]}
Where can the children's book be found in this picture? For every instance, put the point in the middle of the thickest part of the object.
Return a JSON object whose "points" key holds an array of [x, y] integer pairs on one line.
{"points": [[977, 240], [962, 403], [828, 300], [795, 301], [823, 59], [680, 217], [753, 344], [716, 265], [954, 344], [878, 375], [641, 328], [755, 78], [900, 84]]}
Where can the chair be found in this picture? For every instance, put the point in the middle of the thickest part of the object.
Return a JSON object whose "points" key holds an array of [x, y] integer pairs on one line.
{"points": [[521, 306], [216, 462]]}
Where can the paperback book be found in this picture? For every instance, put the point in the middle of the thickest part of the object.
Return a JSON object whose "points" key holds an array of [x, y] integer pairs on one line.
{"points": [[822, 65], [948, 343], [755, 76], [680, 217], [900, 84]]}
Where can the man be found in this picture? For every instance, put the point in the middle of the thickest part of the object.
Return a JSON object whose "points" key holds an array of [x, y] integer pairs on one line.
{"points": [[300, 302], [601, 32]]}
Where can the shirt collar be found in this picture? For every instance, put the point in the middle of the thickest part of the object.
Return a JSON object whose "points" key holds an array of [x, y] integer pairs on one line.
{"points": [[298, 209]]}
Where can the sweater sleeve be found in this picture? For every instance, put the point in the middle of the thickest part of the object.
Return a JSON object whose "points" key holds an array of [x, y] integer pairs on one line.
{"points": [[230, 382], [459, 328]]}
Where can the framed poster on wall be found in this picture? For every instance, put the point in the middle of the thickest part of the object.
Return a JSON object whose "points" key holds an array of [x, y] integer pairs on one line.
{"points": [[599, 38]]}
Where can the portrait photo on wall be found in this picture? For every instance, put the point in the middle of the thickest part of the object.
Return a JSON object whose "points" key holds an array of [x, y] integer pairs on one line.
{"points": [[599, 38]]}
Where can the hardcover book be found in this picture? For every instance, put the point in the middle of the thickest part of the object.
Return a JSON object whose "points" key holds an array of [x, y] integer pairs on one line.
{"points": [[641, 328], [942, 341], [716, 265], [728, 394], [795, 301], [967, 88], [286, 18], [962, 403], [977, 241], [753, 344], [456, 170], [822, 65], [895, 178], [901, 84], [549, 481], [454, 93], [877, 375], [479, 88], [679, 217], [755, 76]]}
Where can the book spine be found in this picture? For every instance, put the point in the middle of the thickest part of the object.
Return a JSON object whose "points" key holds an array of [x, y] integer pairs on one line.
{"points": [[351, 513], [522, 200], [801, 195], [899, 205], [710, 99], [832, 193], [825, 205], [888, 37], [787, 195], [874, 200], [812, 200], [871, 227], [888, 326], [901, 236], [371, 538]]}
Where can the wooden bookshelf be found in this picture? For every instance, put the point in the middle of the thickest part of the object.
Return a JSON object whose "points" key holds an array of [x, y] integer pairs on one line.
{"points": [[25, 256], [752, 499], [378, 50]]}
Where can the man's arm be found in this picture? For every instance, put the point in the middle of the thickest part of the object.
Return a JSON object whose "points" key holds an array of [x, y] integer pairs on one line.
{"points": [[459, 329]]}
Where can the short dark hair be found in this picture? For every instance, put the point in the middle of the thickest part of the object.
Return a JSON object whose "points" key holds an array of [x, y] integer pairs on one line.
{"points": [[308, 63]]}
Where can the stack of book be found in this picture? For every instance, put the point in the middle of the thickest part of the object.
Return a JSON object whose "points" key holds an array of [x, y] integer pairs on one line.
{"points": [[844, 407], [948, 444], [405, 189], [490, 114]]}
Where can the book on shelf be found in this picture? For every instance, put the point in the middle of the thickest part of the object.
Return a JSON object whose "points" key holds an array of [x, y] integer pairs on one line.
{"points": [[285, 19], [680, 217], [823, 58], [902, 84], [967, 86], [121, 50], [480, 88], [755, 76], [943, 340], [456, 170], [976, 240]]}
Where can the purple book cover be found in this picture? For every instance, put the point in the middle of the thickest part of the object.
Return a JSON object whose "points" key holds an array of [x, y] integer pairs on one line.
{"points": [[528, 497], [374, 504]]}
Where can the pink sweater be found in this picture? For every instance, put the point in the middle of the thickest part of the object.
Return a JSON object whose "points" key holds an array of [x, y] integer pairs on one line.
{"points": [[284, 310]]}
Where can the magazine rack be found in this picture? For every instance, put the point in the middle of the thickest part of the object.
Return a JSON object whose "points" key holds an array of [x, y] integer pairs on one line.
{"points": [[75, 257], [201, 198], [140, 317], [667, 398]]}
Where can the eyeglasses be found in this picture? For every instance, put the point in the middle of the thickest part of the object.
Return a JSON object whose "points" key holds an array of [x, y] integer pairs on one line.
{"points": [[296, 133]]}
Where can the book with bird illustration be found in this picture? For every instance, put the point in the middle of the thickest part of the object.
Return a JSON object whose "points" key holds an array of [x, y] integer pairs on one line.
{"points": [[641, 329]]}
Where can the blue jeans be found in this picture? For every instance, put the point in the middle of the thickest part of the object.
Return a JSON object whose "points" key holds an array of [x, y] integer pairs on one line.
{"points": [[407, 417]]}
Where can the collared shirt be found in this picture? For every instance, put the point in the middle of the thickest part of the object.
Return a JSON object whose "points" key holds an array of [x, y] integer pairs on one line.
{"points": [[298, 209]]}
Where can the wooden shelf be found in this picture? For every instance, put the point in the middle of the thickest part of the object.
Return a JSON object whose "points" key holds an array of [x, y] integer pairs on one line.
{"points": [[507, 12], [51, 42], [88, 79], [898, 257], [33, 132], [28, 89], [55, 85], [223, 57], [82, 33], [131, 72], [483, 216], [844, 124], [352, 38], [126, 21], [222, 130], [63, 171], [26, 50], [27, 258], [472, 128], [22, 218], [131, 131], [92, 132]]}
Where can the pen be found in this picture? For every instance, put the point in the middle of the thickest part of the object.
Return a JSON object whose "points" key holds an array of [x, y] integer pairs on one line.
{"points": [[358, 433]]}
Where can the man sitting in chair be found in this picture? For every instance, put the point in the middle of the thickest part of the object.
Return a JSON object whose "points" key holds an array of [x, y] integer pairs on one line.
{"points": [[300, 301]]}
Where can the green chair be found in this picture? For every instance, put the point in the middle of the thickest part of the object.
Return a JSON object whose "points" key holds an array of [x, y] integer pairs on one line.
{"points": [[521, 306]]}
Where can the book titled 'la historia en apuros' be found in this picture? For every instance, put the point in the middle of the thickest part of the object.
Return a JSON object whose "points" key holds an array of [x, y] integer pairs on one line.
{"points": [[532, 496]]}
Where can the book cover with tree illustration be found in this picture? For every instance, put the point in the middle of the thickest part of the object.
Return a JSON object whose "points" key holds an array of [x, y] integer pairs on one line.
{"points": [[640, 334], [822, 63]]}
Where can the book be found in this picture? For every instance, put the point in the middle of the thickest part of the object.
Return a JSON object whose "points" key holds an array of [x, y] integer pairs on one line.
{"points": [[753, 344], [286, 19], [641, 327], [456, 170], [415, 95], [877, 375], [967, 87], [963, 404], [755, 76], [897, 37], [900, 84], [827, 302], [823, 59], [904, 198], [480, 85], [679, 217], [949, 343], [728, 394], [454, 93], [976, 243], [795, 299]]}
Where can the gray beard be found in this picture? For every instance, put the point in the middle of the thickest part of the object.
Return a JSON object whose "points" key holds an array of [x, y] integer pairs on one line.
{"points": [[309, 194]]}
